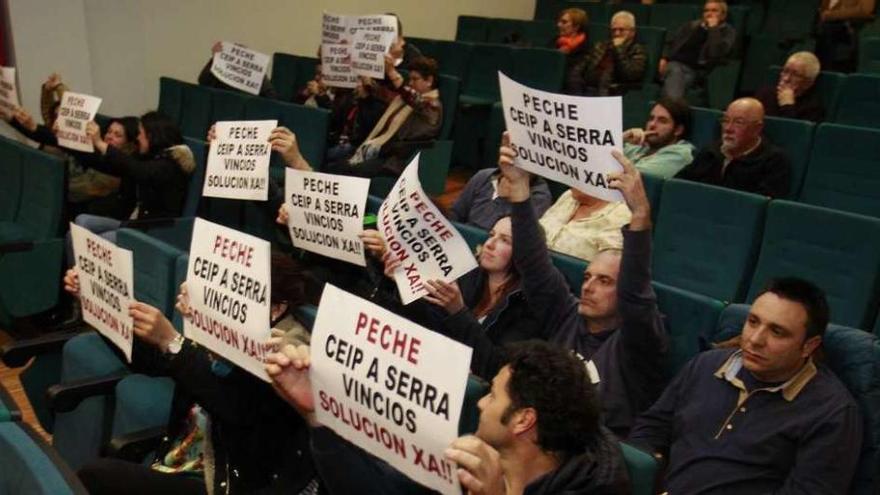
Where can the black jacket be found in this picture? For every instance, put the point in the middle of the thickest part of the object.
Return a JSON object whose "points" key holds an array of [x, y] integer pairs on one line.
{"points": [[766, 170], [808, 106], [718, 45]]}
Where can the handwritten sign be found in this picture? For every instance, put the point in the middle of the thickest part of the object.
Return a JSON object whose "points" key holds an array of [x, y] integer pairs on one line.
{"points": [[75, 112], [336, 70], [228, 282], [568, 139], [238, 160], [8, 92], [369, 53], [389, 386], [415, 231], [327, 213], [106, 286], [240, 67]]}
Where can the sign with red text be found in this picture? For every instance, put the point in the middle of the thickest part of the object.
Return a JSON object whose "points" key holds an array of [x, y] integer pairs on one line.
{"points": [[228, 283], [106, 283], [238, 160], [75, 112], [240, 67], [336, 68], [415, 231], [369, 49], [327, 213], [564, 138], [389, 386], [8, 92]]}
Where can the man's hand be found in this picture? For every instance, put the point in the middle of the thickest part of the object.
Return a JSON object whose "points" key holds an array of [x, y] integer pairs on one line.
{"points": [[479, 466], [661, 67], [182, 304], [216, 47], [391, 71], [446, 295], [52, 82], [151, 325], [373, 242], [289, 371], [24, 119], [283, 215], [93, 132], [284, 142], [784, 95], [514, 181], [71, 282], [629, 183], [635, 136]]}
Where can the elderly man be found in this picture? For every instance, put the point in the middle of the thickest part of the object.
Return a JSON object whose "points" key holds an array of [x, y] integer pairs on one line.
{"points": [[795, 95], [695, 48], [662, 148], [743, 159], [616, 65], [764, 418]]}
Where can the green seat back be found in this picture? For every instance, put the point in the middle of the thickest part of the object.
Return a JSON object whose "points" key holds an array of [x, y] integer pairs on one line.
{"points": [[539, 68], [141, 402], [721, 83], [453, 57], [673, 16], [653, 39], [835, 250], [869, 55], [449, 87], [473, 29], [42, 194], [284, 75], [227, 105], [654, 189], [688, 317], [642, 469], [154, 265], [199, 149], [597, 12], [10, 186], [705, 128], [482, 77], [195, 111], [696, 220], [796, 138], [470, 413], [549, 9], [843, 172], [598, 31], [474, 236], [494, 128], [310, 126], [859, 101], [539, 33], [791, 19], [29, 465], [171, 97], [571, 268]]}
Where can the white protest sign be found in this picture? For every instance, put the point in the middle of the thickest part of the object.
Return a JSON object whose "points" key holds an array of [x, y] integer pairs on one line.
{"points": [[106, 286], [369, 53], [568, 139], [228, 283], [336, 68], [389, 386], [415, 231], [238, 160], [374, 23], [75, 112], [8, 92], [240, 67], [327, 213], [334, 29]]}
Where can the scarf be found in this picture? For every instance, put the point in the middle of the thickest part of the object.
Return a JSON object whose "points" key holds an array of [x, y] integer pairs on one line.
{"points": [[392, 120], [567, 44]]}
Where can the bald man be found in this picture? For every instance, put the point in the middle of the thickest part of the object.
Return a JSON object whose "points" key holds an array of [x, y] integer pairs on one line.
{"points": [[743, 159], [795, 95]]}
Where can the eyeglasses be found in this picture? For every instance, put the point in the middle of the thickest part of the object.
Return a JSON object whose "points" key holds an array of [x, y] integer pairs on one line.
{"points": [[792, 74], [739, 123]]}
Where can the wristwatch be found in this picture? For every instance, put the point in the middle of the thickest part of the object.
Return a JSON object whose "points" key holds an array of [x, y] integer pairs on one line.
{"points": [[175, 345]]}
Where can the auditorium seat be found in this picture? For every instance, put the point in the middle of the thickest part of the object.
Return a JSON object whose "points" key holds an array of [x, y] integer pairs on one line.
{"points": [[673, 16], [706, 239], [29, 466], [653, 38], [474, 236], [654, 190], [310, 126], [226, 105], [859, 101], [791, 19], [171, 98], [195, 111], [642, 469], [835, 250], [290, 73], [688, 317], [452, 57], [843, 173], [705, 127], [796, 138], [854, 356], [869, 55], [572, 269], [539, 68], [472, 29], [480, 84], [450, 89]]}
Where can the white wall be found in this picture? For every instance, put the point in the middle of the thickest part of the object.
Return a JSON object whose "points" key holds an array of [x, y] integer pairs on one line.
{"points": [[117, 49]]}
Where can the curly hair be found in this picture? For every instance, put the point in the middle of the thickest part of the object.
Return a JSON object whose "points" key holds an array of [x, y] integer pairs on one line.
{"points": [[554, 383]]}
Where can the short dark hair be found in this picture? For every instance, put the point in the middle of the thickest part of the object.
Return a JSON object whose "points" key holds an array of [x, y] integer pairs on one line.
{"points": [[555, 384], [680, 111], [129, 126], [161, 131], [288, 281], [808, 295], [426, 67]]}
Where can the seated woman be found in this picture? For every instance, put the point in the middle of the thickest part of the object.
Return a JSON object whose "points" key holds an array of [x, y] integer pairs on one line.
{"points": [[353, 119], [227, 427], [412, 119], [580, 225], [573, 42]]}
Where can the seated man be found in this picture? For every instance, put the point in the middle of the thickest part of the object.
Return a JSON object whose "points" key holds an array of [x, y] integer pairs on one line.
{"points": [[615, 66], [480, 205], [795, 95], [743, 159], [762, 418], [614, 324], [695, 48], [531, 438], [411, 121], [661, 148]]}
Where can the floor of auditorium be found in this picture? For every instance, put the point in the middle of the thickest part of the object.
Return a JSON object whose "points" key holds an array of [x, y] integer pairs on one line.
{"points": [[9, 377]]}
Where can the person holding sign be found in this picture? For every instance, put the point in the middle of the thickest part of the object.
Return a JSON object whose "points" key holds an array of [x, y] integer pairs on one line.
{"points": [[531, 438], [411, 120], [207, 78], [614, 325], [257, 443]]}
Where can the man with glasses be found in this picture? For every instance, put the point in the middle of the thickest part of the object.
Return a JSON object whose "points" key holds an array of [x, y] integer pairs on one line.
{"points": [[616, 65], [795, 95], [695, 48], [743, 159]]}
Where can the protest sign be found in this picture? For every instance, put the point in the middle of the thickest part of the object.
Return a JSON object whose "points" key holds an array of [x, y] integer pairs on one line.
{"points": [[336, 68], [568, 139], [228, 283], [415, 231], [75, 112], [369, 53], [327, 213], [334, 29], [340, 29], [238, 160], [389, 386], [240, 67], [8, 92], [106, 285]]}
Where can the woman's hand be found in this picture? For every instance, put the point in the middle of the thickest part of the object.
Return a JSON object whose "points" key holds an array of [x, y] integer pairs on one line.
{"points": [[283, 215], [391, 262], [71, 282], [446, 295], [373, 242], [93, 132], [182, 304], [284, 142], [151, 325]]}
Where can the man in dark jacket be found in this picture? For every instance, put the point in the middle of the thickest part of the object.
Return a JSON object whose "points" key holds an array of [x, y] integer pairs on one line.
{"points": [[695, 48], [795, 95], [549, 437], [743, 159], [616, 65]]}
